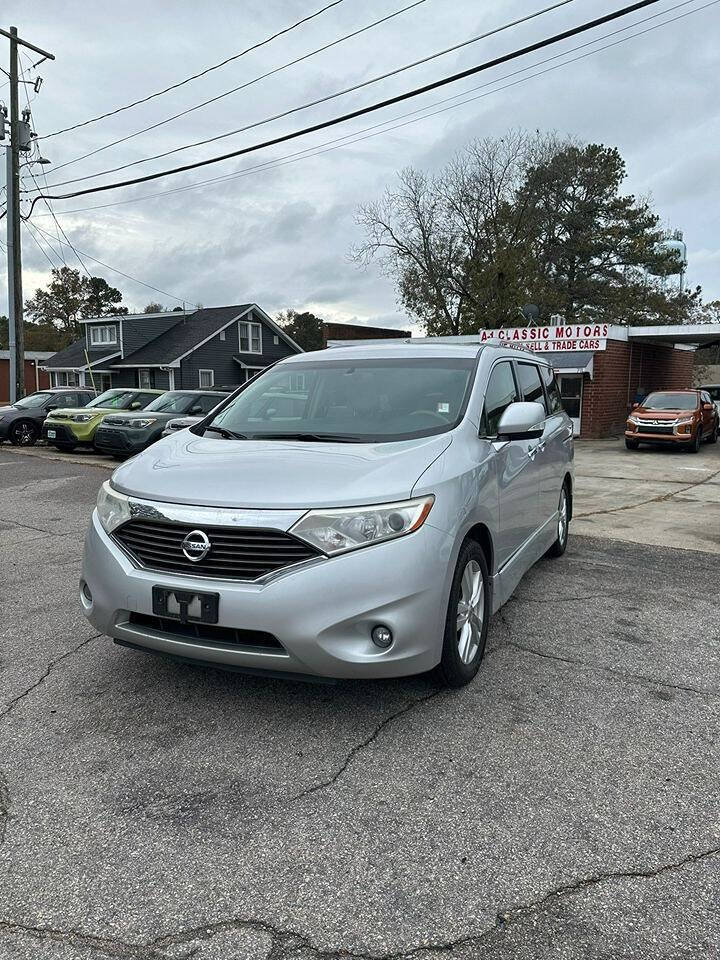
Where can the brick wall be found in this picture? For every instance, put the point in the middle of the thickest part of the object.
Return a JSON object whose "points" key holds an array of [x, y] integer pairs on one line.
{"points": [[358, 331], [30, 387], [617, 374]]}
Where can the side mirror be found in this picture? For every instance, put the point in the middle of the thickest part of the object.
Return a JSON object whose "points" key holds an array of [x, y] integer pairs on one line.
{"points": [[635, 405], [194, 410], [136, 406], [708, 406], [522, 421]]}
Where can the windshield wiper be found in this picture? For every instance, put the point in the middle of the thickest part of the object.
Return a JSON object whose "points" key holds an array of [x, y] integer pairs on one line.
{"points": [[312, 437], [228, 434]]}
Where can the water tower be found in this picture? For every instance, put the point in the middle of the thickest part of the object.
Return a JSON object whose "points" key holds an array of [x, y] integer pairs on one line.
{"points": [[675, 244]]}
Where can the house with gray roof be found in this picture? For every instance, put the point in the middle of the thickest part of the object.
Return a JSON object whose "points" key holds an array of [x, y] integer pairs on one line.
{"points": [[210, 346]]}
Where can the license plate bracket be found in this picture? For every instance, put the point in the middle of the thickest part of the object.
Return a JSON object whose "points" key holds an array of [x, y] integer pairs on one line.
{"points": [[187, 606]]}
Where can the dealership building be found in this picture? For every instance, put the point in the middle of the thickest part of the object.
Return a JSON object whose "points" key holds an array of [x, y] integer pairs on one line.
{"points": [[601, 367]]}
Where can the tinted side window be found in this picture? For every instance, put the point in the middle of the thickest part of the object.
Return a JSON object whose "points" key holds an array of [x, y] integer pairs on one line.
{"points": [[530, 383], [554, 403], [64, 400], [206, 403], [144, 398], [501, 391]]}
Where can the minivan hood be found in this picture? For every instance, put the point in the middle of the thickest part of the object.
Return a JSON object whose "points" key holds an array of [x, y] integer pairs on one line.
{"points": [[276, 474]]}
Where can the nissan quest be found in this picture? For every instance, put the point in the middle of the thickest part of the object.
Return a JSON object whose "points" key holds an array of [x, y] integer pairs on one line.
{"points": [[357, 512]]}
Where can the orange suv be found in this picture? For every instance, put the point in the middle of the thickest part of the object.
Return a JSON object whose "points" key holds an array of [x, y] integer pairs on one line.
{"points": [[680, 417]]}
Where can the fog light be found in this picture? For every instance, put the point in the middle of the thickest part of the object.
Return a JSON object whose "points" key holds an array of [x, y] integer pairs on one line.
{"points": [[382, 636], [86, 592]]}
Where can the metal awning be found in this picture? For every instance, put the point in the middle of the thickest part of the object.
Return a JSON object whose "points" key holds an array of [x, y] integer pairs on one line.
{"points": [[571, 362], [695, 334]]}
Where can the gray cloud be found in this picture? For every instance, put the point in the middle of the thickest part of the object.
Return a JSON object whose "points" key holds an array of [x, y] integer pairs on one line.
{"points": [[280, 234]]}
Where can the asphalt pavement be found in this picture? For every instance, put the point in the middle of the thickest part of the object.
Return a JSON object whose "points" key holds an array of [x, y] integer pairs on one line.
{"points": [[564, 805]]}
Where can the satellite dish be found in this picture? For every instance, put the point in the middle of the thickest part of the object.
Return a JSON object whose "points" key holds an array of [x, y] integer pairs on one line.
{"points": [[531, 312]]}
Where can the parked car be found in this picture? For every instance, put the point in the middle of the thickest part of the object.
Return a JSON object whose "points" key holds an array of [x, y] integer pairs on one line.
{"points": [[67, 429], [372, 533], [21, 422], [713, 390], [680, 417], [124, 434], [179, 423]]}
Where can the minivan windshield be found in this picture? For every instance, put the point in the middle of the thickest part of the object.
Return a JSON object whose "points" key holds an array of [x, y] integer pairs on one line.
{"points": [[117, 399], [351, 400], [670, 401], [33, 400], [174, 403]]}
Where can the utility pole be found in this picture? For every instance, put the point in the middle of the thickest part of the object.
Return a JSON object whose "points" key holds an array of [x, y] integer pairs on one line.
{"points": [[19, 142]]}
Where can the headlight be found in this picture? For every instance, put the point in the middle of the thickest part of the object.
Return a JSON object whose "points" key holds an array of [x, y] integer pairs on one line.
{"points": [[337, 531], [82, 417], [113, 508], [139, 424], [684, 423], [634, 420]]}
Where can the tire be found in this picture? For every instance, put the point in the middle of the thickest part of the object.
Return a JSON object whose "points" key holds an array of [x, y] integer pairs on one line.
{"points": [[632, 444], [65, 447], [695, 448], [714, 435], [563, 526], [464, 646], [24, 433]]}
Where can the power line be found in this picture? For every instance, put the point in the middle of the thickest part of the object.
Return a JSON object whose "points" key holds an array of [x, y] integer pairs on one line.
{"points": [[120, 272], [31, 234], [28, 165], [243, 86], [357, 136], [196, 76], [320, 100], [399, 98]]}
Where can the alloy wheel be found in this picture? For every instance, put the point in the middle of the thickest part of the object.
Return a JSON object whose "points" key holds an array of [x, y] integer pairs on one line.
{"points": [[24, 434], [470, 612], [562, 527]]}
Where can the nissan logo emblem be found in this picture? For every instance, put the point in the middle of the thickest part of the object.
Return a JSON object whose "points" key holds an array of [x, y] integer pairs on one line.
{"points": [[196, 545]]}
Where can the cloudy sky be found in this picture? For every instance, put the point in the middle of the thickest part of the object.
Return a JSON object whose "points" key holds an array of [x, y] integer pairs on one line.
{"points": [[280, 235]]}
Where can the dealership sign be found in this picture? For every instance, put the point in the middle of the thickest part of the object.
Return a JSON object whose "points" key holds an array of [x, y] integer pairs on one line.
{"points": [[582, 336]]}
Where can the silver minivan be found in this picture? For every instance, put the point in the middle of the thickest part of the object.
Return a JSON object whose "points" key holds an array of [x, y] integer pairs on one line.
{"points": [[356, 512]]}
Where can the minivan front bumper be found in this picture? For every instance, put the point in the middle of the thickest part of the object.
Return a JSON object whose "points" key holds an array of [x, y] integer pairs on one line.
{"points": [[322, 613]]}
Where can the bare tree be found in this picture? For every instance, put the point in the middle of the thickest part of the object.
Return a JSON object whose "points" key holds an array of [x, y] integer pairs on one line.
{"points": [[456, 244]]}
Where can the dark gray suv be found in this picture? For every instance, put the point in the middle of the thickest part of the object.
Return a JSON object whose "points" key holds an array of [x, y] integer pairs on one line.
{"points": [[124, 434], [22, 422]]}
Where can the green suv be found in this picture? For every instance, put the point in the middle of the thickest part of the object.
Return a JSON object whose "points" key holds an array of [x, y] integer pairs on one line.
{"points": [[67, 429], [124, 434]]}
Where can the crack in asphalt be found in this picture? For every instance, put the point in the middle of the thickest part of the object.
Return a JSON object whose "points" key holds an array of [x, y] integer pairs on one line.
{"points": [[620, 674], [662, 498], [4, 805], [285, 943], [624, 675], [359, 747], [27, 526], [46, 673]]}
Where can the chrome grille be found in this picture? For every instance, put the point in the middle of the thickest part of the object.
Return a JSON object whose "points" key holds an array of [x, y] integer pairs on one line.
{"points": [[235, 554]]}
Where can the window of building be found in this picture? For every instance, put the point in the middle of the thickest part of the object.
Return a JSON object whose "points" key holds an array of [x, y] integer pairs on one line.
{"points": [[501, 392], [144, 380], [206, 378], [101, 336], [64, 378], [250, 336], [222, 334], [552, 391], [530, 383], [276, 340]]}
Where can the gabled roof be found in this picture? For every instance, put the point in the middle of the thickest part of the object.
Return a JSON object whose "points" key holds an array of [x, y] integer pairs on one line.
{"points": [[73, 357], [185, 336], [196, 329]]}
